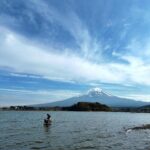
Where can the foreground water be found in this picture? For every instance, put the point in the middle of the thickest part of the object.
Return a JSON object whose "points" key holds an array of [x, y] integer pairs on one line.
{"points": [[73, 131]]}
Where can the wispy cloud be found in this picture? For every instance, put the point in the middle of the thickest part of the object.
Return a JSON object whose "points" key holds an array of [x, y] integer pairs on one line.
{"points": [[25, 57]]}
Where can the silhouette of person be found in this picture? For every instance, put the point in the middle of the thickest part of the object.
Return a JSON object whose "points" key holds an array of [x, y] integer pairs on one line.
{"points": [[48, 116]]}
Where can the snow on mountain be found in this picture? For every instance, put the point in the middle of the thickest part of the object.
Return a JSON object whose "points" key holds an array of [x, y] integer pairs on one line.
{"points": [[97, 92], [98, 95]]}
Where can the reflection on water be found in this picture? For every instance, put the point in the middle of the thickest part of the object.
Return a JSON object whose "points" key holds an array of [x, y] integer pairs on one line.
{"points": [[73, 130], [46, 128]]}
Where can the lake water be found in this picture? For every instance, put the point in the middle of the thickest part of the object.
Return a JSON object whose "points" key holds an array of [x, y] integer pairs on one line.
{"points": [[73, 131]]}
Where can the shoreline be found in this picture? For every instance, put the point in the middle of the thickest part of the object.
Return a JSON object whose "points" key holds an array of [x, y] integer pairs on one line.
{"points": [[72, 111]]}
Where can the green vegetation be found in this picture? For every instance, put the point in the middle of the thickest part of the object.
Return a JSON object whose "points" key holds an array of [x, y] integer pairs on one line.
{"points": [[87, 106]]}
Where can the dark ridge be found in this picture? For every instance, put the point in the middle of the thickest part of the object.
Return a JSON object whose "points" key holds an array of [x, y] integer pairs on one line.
{"points": [[87, 106]]}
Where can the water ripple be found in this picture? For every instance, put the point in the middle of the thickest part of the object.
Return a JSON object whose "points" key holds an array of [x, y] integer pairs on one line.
{"points": [[72, 131]]}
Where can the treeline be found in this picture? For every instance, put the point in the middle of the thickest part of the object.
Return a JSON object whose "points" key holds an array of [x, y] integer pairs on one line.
{"points": [[80, 106], [144, 109], [28, 108]]}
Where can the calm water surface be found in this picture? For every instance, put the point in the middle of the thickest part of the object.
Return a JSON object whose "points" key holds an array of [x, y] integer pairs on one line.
{"points": [[73, 131]]}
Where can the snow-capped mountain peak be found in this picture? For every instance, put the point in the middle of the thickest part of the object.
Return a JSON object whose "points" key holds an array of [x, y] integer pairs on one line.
{"points": [[95, 91], [98, 95]]}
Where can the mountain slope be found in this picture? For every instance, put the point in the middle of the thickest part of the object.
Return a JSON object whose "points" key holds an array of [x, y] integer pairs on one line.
{"points": [[97, 95]]}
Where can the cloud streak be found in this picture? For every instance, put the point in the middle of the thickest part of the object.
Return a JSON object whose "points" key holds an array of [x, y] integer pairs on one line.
{"points": [[25, 57], [28, 58]]}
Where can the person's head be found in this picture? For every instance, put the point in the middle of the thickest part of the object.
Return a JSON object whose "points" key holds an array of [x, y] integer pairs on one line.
{"points": [[48, 115]]}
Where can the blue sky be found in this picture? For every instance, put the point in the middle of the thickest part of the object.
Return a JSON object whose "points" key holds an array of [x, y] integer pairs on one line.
{"points": [[51, 50]]}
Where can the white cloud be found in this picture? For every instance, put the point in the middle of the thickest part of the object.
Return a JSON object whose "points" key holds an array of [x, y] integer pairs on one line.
{"points": [[139, 97], [25, 57], [25, 75], [69, 20]]}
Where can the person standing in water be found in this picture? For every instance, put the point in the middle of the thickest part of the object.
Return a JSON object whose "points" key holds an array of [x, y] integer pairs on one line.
{"points": [[47, 121]]}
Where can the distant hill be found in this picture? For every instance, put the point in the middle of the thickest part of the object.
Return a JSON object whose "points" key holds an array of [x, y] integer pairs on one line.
{"points": [[144, 108], [97, 95], [87, 106]]}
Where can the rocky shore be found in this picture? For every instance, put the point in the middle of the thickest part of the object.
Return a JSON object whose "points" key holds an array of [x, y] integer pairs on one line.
{"points": [[143, 127]]}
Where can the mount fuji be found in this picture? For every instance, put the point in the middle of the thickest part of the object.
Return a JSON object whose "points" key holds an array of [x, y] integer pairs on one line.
{"points": [[97, 95]]}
